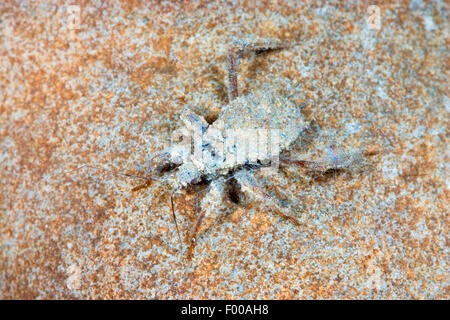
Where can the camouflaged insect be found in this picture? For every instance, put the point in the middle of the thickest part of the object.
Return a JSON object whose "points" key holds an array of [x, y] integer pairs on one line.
{"points": [[217, 160]]}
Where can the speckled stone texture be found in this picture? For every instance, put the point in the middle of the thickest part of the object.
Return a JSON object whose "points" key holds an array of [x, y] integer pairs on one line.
{"points": [[107, 89]]}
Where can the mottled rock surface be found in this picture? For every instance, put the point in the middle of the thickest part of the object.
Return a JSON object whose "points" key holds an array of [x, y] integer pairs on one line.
{"points": [[107, 87]]}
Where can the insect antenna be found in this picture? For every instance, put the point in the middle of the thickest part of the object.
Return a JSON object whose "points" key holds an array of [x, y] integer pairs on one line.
{"points": [[120, 174], [139, 187]]}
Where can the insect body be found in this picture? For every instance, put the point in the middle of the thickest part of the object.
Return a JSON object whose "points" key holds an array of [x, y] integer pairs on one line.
{"points": [[269, 122], [252, 129], [215, 154]]}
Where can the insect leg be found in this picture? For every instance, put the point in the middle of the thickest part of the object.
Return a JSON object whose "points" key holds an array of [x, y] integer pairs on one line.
{"points": [[232, 68], [194, 121], [193, 236], [249, 185], [235, 52], [209, 212], [337, 161]]}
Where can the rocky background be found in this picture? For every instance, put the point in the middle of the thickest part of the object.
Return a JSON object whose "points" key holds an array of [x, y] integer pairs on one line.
{"points": [[103, 83]]}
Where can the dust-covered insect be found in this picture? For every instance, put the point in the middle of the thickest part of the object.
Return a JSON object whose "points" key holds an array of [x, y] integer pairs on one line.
{"points": [[249, 134]]}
